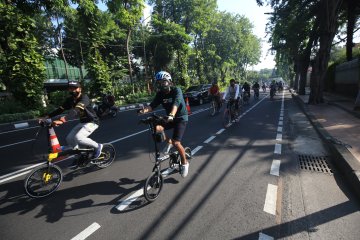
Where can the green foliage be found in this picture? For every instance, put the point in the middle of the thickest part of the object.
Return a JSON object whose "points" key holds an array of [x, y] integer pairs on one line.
{"points": [[11, 106], [6, 118], [21, 67], [139, 97]]}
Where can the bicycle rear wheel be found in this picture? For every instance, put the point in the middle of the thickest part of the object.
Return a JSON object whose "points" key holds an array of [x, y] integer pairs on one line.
{"points": [[227, 118], [43, 181], [153, 186], [107, 156]]}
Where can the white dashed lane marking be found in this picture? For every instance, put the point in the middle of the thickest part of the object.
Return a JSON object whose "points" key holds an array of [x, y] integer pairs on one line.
{"points": [[270, 199], [87, 232], [275, 168], [209, 139]]}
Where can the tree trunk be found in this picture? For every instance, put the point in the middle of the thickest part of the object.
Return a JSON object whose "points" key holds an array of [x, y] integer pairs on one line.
{"points": [[328, 16], [350, 28], [62, 49], [129, 59], [305, 58], [297, 76]]}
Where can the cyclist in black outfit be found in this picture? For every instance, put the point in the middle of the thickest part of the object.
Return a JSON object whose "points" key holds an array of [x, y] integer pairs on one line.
{"points": [[79, 105], [172, 100]]}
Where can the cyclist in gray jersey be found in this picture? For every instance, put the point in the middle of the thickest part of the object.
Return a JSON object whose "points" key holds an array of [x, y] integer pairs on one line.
{"points": [[234, 92]]}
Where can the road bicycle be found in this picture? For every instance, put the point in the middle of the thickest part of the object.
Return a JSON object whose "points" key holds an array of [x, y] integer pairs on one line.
{"points": [[214, 106], [155, 181], [246, 98], [256, 94], [230, 113], [46, 179]]}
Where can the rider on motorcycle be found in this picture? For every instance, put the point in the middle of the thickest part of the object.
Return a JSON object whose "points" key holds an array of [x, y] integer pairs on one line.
{"points": [[108, 101]]}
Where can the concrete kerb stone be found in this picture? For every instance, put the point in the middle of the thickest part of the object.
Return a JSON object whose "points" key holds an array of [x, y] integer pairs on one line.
{"points": [[5, 127], [342, 157]]}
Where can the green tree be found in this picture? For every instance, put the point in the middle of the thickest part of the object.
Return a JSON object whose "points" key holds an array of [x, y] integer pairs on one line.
{"points": [[22, 67]]}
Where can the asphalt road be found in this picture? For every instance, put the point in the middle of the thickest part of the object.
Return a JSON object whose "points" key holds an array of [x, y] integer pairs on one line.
{"points": [[244, 183]]}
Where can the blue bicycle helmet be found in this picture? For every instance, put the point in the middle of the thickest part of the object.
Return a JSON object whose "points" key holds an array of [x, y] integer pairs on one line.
{"points": [[163, 81], [162, 75]]}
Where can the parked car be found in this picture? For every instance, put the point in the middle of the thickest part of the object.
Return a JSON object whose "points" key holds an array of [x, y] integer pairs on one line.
{"points": [[198, 94]]}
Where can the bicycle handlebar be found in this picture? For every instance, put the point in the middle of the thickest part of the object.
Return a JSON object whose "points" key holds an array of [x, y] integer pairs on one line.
{"points": [[45, 122], [154, 119]]}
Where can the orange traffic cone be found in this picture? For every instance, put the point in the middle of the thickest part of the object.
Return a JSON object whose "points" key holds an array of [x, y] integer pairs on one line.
{"points": [[55, 145], [188, 106]]}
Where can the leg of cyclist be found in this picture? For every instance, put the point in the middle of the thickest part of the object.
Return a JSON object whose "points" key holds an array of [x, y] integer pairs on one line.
{"points": [[218, 102], [70, 138], [82, 137], [179, 129]]}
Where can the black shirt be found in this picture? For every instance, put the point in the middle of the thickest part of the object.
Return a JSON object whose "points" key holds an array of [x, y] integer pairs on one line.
{"points": [[79, 107]]}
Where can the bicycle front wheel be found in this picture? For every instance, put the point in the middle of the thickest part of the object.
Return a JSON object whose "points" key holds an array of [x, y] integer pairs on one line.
{"points": [[43, 181], [153, 186], [227, 118]]}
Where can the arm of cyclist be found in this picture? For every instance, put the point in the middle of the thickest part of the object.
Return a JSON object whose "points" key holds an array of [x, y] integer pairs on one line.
{"points": [[225, 94]]}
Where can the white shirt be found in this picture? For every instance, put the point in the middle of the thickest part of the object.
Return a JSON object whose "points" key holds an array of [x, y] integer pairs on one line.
{"points": [[233, 92]]}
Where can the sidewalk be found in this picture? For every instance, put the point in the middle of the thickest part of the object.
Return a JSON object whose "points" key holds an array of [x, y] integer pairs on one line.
{"points": [[339, 127]]}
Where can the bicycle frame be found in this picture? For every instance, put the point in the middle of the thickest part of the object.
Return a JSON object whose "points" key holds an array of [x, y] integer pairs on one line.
{"points": [[53, 156]]}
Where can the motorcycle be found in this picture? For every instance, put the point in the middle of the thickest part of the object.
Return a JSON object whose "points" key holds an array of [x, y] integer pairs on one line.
{"points": [[272, 92], [104, 111]]}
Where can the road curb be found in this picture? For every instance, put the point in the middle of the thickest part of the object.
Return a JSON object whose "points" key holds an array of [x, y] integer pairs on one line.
{"points": [[342, 157], [6, 127]]}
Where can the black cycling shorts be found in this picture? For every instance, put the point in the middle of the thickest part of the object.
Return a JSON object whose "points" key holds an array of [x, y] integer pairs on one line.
{"points": [[179, 127]]}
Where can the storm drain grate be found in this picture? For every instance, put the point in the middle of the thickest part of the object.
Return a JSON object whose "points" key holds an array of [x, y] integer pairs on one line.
{"points": [[315, 164]]}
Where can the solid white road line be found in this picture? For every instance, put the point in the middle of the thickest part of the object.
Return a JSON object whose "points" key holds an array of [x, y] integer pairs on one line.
{"points": [[220, 131], [275, 167], [87, 232], [14, 176], [209, 139], [280, 123], [281, 119], [20, 171], [4, 146], [277, 149], [263, 236], [117, 140], [16, 130], [270, 200], [280, 129], [278, 137]]}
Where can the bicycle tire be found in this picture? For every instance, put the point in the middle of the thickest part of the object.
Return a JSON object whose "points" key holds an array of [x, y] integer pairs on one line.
{"points": [[212, 108], [43, 172], [226, 118], [154, 181], [108, 153]]}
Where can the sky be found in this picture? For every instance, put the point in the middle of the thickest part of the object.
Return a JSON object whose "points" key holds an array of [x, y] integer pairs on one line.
{"points": [[258, 18]]}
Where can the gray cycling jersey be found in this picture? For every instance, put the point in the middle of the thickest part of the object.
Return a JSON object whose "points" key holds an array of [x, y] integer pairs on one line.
{"points": [[232, 92]]}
